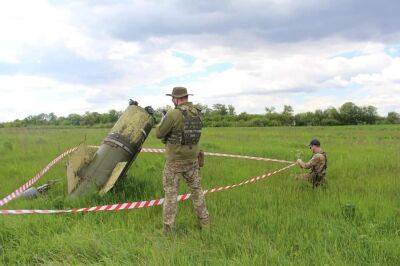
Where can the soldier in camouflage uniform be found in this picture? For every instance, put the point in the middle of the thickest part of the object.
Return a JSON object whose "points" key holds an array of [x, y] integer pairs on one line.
{"points": [[317, 164], [180, 130]]}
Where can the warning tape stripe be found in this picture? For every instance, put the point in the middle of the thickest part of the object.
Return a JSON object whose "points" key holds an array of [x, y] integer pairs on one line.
{"points": [[140, 204], [39, 175], [152, 150], [32, 181]]}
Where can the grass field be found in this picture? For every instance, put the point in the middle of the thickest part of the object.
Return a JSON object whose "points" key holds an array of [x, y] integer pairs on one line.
{"points": [[278, 221]]}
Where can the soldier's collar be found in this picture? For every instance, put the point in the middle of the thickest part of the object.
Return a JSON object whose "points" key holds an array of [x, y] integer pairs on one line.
{"points": [[184, 105]]}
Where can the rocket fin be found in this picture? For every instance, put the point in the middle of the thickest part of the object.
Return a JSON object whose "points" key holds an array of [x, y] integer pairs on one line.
{"points": [[119, 168], [77, 163]]}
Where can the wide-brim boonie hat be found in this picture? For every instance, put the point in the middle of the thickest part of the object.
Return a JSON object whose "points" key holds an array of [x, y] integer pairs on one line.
{"points": [[178, 92]]}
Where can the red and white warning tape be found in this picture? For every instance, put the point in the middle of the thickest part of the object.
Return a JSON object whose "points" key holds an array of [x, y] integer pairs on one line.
{"points": [[33, 180], [128, 205], [140, 204], [225, 155]]}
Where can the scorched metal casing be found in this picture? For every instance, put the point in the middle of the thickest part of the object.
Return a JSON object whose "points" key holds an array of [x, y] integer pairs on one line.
{"points": [[96, 170]]}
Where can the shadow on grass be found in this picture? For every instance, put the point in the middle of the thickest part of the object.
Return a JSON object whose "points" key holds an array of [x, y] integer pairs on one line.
{"points": [[127, 189]]}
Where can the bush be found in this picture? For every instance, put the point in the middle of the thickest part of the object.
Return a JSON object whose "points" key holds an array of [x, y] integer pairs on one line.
{"points": [[256, 122], [274, 123], [329, 122]]}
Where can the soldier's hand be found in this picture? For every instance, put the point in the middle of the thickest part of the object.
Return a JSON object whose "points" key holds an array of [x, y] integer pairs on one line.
{"points": [[299, 161]]}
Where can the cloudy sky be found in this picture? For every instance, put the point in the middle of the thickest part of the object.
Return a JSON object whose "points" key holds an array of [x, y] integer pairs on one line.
{"points": [[76, 56]]}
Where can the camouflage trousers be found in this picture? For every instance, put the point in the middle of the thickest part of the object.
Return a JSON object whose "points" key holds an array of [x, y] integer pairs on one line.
{"points": [[313, 178], [190, 172]]}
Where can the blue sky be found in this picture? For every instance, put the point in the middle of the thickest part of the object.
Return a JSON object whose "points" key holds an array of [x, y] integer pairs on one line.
{"points": [[76, 56], [393, 50]]}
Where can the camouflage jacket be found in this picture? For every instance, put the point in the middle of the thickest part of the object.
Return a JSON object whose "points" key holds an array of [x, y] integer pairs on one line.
{"points": [[173, 124], [317, 164]]}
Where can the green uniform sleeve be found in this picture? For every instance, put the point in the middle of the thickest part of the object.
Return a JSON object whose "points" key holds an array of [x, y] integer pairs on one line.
{"points": [[165, 126]]}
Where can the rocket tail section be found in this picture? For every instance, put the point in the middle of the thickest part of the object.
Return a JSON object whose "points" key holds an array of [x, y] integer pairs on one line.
{"points": [[95, 169]]}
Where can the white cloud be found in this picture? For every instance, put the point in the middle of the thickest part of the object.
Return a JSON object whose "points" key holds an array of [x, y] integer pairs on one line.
{"points": [[307, 73], [22, 96]]}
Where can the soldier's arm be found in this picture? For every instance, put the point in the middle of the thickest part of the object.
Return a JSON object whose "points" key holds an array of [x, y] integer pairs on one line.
{"points": [[300, 163], [165, 126], [313, 162]]}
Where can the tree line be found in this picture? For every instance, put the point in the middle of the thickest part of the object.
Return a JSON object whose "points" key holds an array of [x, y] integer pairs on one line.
{"points": [[221, 115], [348, 114], [88, 119]]}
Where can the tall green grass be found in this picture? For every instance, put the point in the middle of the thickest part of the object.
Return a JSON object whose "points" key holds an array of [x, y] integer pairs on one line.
{"points": [[279, 220]]}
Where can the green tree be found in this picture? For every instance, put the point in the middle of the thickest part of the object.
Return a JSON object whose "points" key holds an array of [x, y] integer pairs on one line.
{"points": [[51, 118], [393, 118], [331, 117], [231, 110], [272, 117], [75, 119], [205, 110], [220, 109], [270, 110], [90, 119], [305, 119], [369, 114], [350, 114], [331, 113], [287, 117]]}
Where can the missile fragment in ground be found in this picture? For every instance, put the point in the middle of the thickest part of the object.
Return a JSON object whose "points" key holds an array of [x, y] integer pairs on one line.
{"points": [[91, 169]]}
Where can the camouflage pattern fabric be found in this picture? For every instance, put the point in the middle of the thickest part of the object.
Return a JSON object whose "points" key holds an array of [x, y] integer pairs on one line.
{"points": [[187, 170], [318, 166], [170, 130]]}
